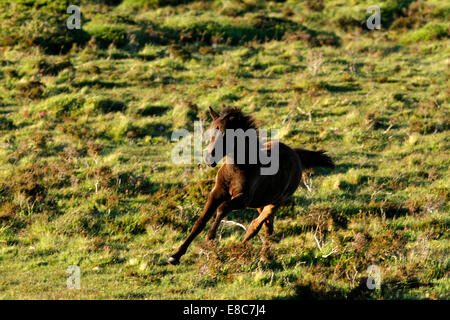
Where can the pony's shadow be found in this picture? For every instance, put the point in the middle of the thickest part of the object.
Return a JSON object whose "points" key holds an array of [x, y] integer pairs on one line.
{"points": [[340, 168]]}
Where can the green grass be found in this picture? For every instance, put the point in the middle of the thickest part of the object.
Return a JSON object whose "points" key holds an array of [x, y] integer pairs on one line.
{"points": [[85, 142]]}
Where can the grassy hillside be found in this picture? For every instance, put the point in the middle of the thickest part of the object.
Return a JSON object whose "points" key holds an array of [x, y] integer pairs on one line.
{"points": [[86, 118]]}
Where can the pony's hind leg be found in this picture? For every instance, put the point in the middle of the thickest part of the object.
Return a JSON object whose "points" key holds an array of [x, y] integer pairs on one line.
{"points": [[265, 217], [268, 225]]}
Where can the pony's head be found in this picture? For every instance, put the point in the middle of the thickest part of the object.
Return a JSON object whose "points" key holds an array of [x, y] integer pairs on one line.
{"points": [[230, 119]]}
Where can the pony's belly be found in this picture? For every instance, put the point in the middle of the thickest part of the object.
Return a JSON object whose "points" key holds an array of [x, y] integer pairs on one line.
{"points": [[273, 196], [275, 190]]}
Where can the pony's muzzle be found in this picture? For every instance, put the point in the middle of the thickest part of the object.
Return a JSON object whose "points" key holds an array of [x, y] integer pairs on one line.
{"points": [[209, 159]]}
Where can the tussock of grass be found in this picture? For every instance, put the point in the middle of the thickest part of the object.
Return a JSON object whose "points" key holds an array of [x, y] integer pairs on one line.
{"points": [[431, 31]]}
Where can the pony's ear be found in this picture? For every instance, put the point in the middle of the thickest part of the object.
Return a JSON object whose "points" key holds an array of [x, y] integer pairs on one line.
{"points": [[213, 114]]}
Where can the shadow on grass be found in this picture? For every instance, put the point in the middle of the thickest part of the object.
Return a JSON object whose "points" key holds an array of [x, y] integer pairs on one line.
{"points": [[393, 288], [151, 111], [98, 84], [339, 88]]}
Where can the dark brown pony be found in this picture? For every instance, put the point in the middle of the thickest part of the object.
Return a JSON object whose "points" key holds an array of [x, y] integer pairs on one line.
{"points": [[240, 186]]}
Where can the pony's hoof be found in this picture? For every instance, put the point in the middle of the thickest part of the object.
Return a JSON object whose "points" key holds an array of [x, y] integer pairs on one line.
{"points": [[173, 261]]}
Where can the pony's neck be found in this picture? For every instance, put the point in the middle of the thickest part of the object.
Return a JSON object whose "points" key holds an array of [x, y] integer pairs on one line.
{"points": [[232, 157]]}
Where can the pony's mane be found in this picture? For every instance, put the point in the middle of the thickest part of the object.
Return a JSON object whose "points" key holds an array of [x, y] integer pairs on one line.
{"points": [[239, 119]]}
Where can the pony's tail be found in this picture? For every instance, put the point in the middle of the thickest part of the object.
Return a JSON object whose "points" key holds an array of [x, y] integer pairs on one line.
{"points": [[313, 159]]}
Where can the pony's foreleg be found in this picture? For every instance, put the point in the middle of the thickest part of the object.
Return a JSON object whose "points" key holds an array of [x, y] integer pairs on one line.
{"points": [[265, 215], [211, 205], [234, 203]]}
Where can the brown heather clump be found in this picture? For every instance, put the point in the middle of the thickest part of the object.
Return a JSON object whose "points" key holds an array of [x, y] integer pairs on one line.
{"points": [[93, 149], [267, 251], [59, 174], [228, 259], [81, 132], [386, 245], [315, 5], [103, 176], [29, 181], [95, 244], [360, 242], [70, 153], [7, 210], [320, 222], [35, 180], [132, 184], [21, 151], [33, 89], [240, 252], [39, 142]]}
